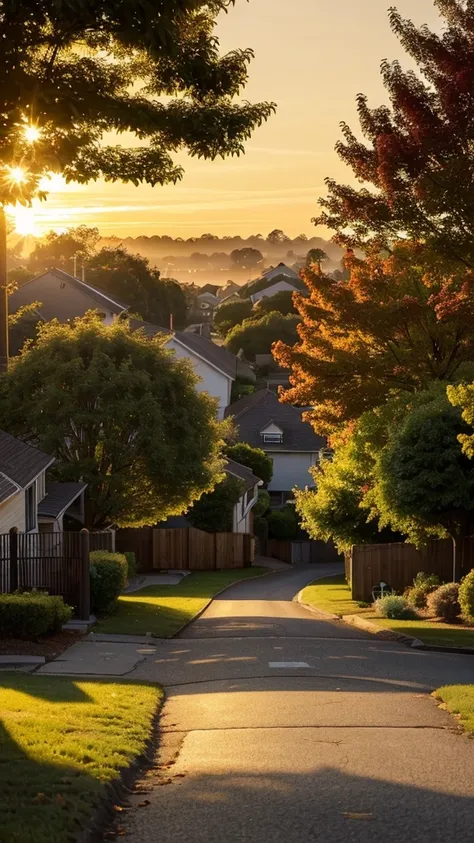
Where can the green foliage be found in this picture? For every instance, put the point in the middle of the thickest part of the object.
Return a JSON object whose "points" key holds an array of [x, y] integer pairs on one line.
{"points": [[133, 281], [32, 614], [281, 302], [466, 596], [247, 258], [109, 572], [119, 412], [151, 70], [444, 602], [394, 607], [131, 564], [213, 512], [227, 316], [19, 275], [240, 388], [263, 504], [58, 250], [422, 474], [316, 257], [256, 336], [254, 458], [462, 396], [423, 585], [283, 523]]}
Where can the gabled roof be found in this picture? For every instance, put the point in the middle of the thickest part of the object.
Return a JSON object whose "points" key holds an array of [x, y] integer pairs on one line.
{"points": [[20, 463], [255, 412], [214, 354], [281, 269], [59, 497], [243, 473], [100, 298]]}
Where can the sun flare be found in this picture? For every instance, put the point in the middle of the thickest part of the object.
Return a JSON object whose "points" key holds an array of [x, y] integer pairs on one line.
{"points": [[24, 220]]}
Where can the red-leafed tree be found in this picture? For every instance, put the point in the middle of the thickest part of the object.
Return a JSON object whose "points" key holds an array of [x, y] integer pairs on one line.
{"points": [[395, 324], [416, 159]]}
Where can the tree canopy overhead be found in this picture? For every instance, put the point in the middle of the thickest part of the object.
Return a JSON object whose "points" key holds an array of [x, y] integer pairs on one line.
{"points": [[416, 159], [119, 412], [74, 73]]}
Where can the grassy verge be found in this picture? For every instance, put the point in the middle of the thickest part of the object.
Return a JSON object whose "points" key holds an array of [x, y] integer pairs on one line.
{"points": [[333, 595], [164, 609], [60, 741], [459, 700]]}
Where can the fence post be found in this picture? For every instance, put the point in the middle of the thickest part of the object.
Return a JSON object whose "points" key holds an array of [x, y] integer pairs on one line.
{"points": [[13, 553], [84, 608]]}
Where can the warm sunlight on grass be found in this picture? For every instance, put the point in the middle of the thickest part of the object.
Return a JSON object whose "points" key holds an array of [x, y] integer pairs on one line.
{"points": [[60, 740], [333, 595], [459, 700], [164, 609]]}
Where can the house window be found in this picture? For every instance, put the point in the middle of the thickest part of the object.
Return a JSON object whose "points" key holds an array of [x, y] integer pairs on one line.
{"points": [[31, 513], [273, 438]]}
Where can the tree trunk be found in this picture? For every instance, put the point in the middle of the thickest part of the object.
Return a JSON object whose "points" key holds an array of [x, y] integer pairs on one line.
{"points": [[458, 538], [3, 293]]}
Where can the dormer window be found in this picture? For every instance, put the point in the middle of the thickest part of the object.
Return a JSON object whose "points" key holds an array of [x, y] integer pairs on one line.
{"points": [[273, 438]]}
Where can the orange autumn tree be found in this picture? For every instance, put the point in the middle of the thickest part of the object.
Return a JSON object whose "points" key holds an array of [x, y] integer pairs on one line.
{"points": [[395, 324]]}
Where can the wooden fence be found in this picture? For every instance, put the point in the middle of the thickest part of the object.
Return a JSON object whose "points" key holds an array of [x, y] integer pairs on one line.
{"points": [[186, 549], [397, 564], [302, 552], [54, 562]]}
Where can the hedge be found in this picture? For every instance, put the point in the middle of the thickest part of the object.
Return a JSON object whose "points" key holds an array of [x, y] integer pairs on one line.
{"points": [[109, 573], [32, 614]]}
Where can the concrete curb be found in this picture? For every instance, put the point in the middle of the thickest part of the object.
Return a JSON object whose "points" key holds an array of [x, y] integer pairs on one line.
{"points": [[327, 616], [34, 661], [385, 634]]}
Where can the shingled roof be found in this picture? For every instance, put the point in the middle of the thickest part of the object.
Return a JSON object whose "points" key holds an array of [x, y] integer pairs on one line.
{"points": [[100, 298], [243, 473], [19, 464], [256, 411]]}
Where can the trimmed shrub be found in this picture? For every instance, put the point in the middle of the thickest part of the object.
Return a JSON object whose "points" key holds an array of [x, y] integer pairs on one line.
{"points": [[283, 523], [263, 504], [108, 578], [423, 585], [131, 563], [444, 602], [32, 614], [394, 607], [466, 596]]}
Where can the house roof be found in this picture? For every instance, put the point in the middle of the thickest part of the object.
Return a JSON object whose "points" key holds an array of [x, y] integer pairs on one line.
{"points": [[255, 412], [20, 463], [214, 354], [7, 488], [98, 296], [243, 473], [59, 497]]}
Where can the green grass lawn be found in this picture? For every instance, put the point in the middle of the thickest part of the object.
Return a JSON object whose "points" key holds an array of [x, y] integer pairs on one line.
{"points": [[333, 595], [164, 609], [60, 741], [459, 700]]}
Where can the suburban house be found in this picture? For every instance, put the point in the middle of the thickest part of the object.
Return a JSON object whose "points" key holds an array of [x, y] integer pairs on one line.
{"points": [[280, 431], [216, 367], [28, 501], [207, 303], [229, 289], [275, 280], [63, 297], [242, 521]]}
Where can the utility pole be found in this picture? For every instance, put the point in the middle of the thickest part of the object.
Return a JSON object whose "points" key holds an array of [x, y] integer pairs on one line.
{"points": [[3, 292], [83, 272], [74, 266]]}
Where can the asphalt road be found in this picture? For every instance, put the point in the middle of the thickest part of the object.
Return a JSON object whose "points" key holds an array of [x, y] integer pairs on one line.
{"points": [[282, 727]]}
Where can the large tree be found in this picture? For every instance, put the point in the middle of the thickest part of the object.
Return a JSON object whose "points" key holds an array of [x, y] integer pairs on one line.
{"points": [[227, 316], [397, 324], [68, 251], [74, 73], [119, 412], [257, 336], [136, 283], [254, 458], [247, 258], [415, 160]]}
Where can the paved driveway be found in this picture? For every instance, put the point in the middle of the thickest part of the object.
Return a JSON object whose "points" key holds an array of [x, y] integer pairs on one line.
{"points": [[282, 727]]}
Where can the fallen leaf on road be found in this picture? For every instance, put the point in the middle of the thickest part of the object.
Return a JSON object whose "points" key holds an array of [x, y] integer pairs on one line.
{"points": [[143, 804], [354, 815]]}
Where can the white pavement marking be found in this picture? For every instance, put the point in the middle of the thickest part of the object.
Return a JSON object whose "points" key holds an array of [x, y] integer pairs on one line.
{"points": [[288, 664]]}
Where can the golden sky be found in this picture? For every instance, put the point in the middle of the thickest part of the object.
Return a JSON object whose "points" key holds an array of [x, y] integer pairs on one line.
{"points": [[312, 58]]}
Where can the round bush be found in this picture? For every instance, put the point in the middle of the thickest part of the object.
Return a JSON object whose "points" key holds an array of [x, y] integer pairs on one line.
{"points": [[423, 584], [394, 607], [108, 577], [466, 596], [283, 523], [131, 563], [444, 602], [31, 615]]}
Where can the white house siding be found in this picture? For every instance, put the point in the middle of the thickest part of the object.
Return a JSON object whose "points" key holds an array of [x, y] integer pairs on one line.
{"points": [[290, 470], [279, 287], [12, 513], [216, 383]]}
